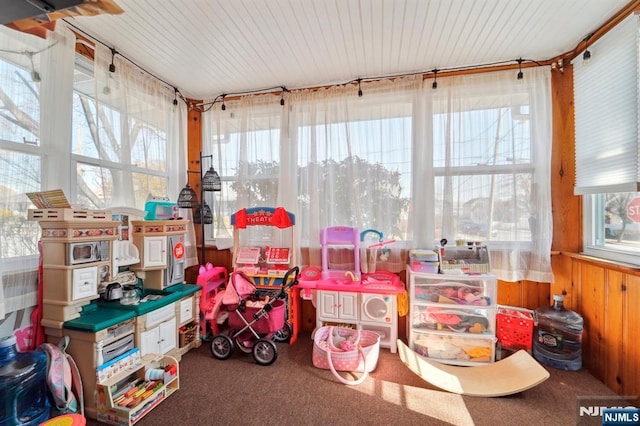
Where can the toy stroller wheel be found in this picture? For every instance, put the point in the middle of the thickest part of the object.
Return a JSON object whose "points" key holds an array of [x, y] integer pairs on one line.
{"points": [[245, 347], [284, 334], [265, 352], [221, 346]]}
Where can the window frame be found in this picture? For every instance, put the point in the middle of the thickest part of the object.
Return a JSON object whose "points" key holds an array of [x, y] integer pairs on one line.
{"points": [[84, 65], [590, 234]]}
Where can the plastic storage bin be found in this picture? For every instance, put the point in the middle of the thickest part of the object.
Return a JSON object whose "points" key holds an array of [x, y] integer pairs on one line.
{"points": [[474, 290], [458, 319], [514, 327], [454, 348], [23, 385], [424, 261]]}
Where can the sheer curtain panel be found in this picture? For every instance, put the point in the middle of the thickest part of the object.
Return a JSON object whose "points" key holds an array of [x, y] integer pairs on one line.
{"points": [[469, 160]]}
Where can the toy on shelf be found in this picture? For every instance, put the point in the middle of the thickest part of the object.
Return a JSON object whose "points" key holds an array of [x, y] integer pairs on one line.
{"points": [[333, 239]]}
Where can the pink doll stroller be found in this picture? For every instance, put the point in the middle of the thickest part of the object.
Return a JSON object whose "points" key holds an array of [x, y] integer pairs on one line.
{"points": [[253, 321]]}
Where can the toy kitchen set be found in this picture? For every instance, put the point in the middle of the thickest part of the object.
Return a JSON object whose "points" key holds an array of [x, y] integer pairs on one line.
{"points": [[116, 287]]}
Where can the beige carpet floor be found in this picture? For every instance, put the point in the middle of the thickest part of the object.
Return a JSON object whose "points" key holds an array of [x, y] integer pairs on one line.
{"points": [[291, 391]]}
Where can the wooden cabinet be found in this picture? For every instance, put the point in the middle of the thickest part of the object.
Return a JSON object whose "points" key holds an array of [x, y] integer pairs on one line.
{"points": [[129, 395]]}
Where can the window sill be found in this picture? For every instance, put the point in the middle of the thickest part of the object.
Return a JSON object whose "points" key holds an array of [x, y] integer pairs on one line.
{"points": [[609, 264]]}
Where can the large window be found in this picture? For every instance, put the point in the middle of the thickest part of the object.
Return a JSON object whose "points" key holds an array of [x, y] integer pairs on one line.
{"points": [[21, 151], [467, 161], [483, 162], [66, 122], [119, 146]]}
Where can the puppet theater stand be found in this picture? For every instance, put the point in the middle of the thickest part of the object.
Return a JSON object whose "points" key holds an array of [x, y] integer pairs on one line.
{"points": [[266, 265]]}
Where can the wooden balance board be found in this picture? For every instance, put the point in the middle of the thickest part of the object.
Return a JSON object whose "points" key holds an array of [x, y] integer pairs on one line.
{"points": [[513, 374]]}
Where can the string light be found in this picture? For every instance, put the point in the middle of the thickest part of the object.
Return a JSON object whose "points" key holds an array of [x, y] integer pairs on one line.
{"points": [[175, 96], [282, 96], [520, 74], [587, 54], [112, 67], [434, 85], [35, 75], [205, 106], [223, 107]]}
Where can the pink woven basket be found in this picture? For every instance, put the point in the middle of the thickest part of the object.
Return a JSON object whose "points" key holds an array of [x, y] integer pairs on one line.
{"points": [[345, 349]]}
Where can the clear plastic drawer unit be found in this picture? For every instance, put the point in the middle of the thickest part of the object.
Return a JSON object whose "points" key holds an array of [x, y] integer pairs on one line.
{"points": [[454, 348], [467, 290], [455, 318]]}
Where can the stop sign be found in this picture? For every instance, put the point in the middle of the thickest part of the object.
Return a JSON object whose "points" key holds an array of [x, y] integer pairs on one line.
{"points": [[633, 210]]}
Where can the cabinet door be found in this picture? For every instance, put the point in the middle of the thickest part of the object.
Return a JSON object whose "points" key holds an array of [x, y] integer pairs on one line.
{"points": [[154, 252], [160, 339], [186, 310], [149, 341], [167, 332], [328, 301], [348, 306], [85, 282]]}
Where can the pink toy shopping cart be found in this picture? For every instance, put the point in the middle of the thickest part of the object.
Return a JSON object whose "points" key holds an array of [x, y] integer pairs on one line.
{"points": [[254, 321]]}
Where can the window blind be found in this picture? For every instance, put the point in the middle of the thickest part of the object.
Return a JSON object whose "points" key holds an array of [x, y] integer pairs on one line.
{"points": [[606, 113]]}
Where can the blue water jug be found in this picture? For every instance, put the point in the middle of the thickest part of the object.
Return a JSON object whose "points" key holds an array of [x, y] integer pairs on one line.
{"points": [[558, 337], [23, 385]]}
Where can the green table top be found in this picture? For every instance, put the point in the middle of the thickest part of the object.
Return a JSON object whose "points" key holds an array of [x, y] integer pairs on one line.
{"points": [[100, 314], [96, 317]]}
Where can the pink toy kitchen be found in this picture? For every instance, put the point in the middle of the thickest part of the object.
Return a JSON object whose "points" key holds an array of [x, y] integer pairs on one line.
{"points": [[344, 295]]}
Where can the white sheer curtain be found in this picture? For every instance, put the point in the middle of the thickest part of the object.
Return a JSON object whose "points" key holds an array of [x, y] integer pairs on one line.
{"points": [[492, 155], [152, 134], [36, 81], [245, 143], [353, 159], [469, 160]]}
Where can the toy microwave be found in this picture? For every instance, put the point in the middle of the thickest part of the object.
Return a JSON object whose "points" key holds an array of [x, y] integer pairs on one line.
{"points": [[160, 210]]}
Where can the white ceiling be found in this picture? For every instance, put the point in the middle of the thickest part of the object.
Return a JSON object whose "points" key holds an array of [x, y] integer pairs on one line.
{"points": [[209, 47]]}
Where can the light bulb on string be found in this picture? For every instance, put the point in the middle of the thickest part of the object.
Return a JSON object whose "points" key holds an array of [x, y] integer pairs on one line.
{"points": [[223, 107], [359, 88], [586, 55], [282, 96], [434, 85], [112, 66], [175, 96], [520, 74]]}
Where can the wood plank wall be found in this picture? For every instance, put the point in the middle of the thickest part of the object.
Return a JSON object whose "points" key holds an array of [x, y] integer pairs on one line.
{"points": [[605, 294]]}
